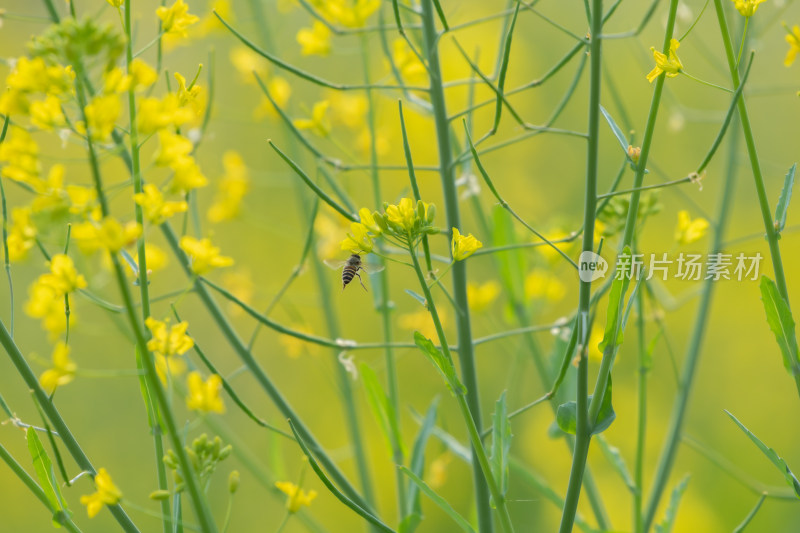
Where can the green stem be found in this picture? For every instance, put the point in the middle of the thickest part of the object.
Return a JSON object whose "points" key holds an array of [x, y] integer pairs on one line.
{"points": [[465, 349], [144, 284], [583, 429], [674, 432], [641, 429], [6, 259], [478, 451]]}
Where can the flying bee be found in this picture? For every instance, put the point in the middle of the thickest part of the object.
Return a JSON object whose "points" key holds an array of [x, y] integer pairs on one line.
{"points": [[350, 269]]}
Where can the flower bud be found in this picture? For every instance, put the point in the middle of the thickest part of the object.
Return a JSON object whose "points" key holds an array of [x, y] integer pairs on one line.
{"points": [[233, 481]]}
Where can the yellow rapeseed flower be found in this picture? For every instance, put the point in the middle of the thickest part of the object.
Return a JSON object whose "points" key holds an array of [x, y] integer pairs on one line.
{"points": [[358, 241], [281, 91], [63, 277], [296, 497], [404, 214], [463, 246], [670, 64], [193, 97], [102, 114], [169, 366], [188, 176], [480, 297], [47, 305], [204, 395], [318, 123], [168, 341], [747, 7], [173, 149], [203, 255], [541, 284], [210, 22], [21, 233], [155, 114], [142, 75], [156, 208], [316, 40], [246, 62], [20, 153], [793, 38], [62, 372], [688, 230], [46, 114], [110, 235], [233, 186], [176, 18], [34, 75], [349, 109], [116, 3], [107, 494], [411, 69], [116, 80], [350, 13]]}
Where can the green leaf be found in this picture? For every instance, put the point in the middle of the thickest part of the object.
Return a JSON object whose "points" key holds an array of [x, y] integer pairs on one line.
{"points": [[614, 457], [772, 455], [369, 517], [783, 202], [438, 500], [780, 321], [616, 301], [623, 141], [566, 415], [382, 409], [672, 510], [501, 444], [442, 363], [417, 464], [47, 477]]}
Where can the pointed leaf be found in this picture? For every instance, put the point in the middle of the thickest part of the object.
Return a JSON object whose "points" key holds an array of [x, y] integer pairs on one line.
{"points": [[417, 464], [616, 302], [606, 415], [47, 477], [382, 409], [442, 363], [783, 202], [623, 141], [566, 415], [780, 321], [501, 444], [772, 455], [438, 500], [614, 457], [672, 510]]}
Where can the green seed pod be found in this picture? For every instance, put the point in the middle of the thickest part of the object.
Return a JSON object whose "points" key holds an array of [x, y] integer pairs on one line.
{"points": [[380, 220], [421, 210], [225, 452], [215, 446], [159, 495], [233, 481], [431, 213]]}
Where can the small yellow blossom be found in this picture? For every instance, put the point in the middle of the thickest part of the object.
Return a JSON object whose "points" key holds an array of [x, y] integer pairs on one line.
{"points": [[176, 18], [193, 97], [21, 234], [281, 91], [688, 230], [233, 186], [421, 321], [157, 258], [350, 13], [142, 75], [318, 123], [246, 62], [63, 370], [364, 141], [109, 235], [793, 38], [63, 276], [52, 195], [437, 473], [116, 3], [747, 7], [296, 497], [168, 341], [156, 208], [116, 81], [81, 199], [20, 153], [316, 40], [155, 114], [46, 114], [35, 76], [542, 284], [211, 23], [480, 297], [671, 65], [48, 306], [404, 214], [464, 246], [102, 114], [348, 109], [173, 149], [411, 69], [368, 220], [188, 176], [204, 256], [204, 395], [107, 494], [358, 241]]}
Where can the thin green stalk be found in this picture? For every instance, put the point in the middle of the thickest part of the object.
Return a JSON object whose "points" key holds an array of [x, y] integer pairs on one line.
{"points": [[6, 259], [144, 284], [478, 451], [674, 432], [463, 326], [763, 202], [583, 423], [59, 425], [641, 427]]}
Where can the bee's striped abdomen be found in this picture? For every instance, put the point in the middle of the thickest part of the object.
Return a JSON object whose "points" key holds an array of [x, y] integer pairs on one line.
{"points": [[348, 273]]}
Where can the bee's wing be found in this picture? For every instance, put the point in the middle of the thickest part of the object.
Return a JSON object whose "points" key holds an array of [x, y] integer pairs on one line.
{"points": [[336, 265], [374, 269]]}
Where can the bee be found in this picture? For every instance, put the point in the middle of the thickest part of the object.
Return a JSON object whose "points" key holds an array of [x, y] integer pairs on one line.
{"points": [[350, 269]]}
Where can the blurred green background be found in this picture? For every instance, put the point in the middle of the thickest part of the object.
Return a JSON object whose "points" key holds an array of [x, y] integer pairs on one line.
{"points": [[542, 178]]}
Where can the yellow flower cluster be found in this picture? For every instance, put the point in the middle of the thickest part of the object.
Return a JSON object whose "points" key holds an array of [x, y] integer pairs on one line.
{"points": [[203, 255], [168, 341], [156, 208], [411, 69], [793, 38], [32, 78], [62, 372], [463, 246], [404, 221], [233, 186], [204, 395], [106, 494], [349, 13], [480, 297], [670, 64], [109, 234], [176, 18], [688, 230], [20, 153], [747, 7], [46, 294], [318, 123]]}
